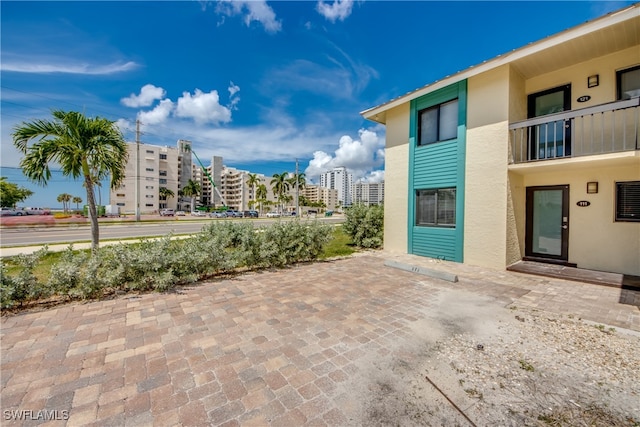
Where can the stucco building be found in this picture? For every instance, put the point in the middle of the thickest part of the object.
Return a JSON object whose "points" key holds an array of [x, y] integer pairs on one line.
{"points": [[156, 167], [367, 193], [341, 180], [531, 155]]}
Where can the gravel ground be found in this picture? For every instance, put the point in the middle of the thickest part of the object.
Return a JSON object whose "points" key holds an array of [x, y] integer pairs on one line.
{"points": [[507, 367]]}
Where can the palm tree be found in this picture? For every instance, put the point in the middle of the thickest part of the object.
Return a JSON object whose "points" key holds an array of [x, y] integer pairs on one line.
{"points": [[301, 182], [98, 185], [64, 198], [252, 182], [77, 200], [280, 186], [91, 148], [261, 195], [191, 190], [300, 178], [165, 192]]}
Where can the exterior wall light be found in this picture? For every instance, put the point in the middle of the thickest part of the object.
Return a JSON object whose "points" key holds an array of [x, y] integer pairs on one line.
{"points": [[592, 187], [593, 81]]}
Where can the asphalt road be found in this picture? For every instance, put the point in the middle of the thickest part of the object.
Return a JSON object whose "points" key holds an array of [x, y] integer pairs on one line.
{"points": [[72, 233]]}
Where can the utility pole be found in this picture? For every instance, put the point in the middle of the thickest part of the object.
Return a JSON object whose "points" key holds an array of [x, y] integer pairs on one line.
{"points": [[297, 191], [137, 170]]}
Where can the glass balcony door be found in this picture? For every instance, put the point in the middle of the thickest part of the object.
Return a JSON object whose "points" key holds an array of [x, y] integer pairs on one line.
{"points": [[553, 139]]}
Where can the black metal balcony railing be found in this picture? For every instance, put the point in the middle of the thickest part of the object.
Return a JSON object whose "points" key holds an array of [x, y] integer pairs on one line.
{"points": [[601, 129]]}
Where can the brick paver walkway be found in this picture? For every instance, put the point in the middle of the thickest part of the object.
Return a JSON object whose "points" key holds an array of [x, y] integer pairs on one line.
{"points": [[277, 348]]}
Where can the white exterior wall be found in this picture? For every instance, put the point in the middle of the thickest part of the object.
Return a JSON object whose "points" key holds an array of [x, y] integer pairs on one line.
{"points": [[596, 240], [396, 177], [149, 180], [486, 169]]}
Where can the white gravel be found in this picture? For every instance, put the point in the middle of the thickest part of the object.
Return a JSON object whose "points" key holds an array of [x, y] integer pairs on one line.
{"points": [[505, 367]]}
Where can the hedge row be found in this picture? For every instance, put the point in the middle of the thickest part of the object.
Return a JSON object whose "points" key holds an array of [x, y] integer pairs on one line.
{"points": [[165, 263]]}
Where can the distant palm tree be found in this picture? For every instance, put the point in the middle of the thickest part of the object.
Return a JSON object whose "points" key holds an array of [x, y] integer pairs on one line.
{"points": [[280, 186], [191, 190], [301, 182], [91, 148], [64, 198], [252, 182], [261, 195], [165, 193], [300, 178], [77, 200]]}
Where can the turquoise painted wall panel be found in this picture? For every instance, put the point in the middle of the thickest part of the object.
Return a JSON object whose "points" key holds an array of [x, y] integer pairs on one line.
{"points": [[436, 244], [438, 165]]}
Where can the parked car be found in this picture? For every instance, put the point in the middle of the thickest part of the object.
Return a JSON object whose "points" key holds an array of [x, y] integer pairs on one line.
{"points": [[181, 213], [37, 211], [218, 214], [273, 214], [234, 214], [167, 212], [7, 212], [198, 213], [250, 214]]}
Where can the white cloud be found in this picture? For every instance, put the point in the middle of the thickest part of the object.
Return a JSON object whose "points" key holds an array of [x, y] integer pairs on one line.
{"points": [[148, 94], [233, 99], [125, 126], [374, 177], [233, 89], [338, 10], [253, 10], [158, 115], [62, 65], [202, 107], [359, 156], [335, 80]]}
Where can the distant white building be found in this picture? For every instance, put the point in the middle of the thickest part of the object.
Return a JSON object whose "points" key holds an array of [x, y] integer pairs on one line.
{"points": [[315, 193], [368, 193], [231, 184], [158, 167], [341, 180]]}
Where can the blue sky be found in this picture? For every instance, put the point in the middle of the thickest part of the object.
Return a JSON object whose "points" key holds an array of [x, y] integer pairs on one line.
{"points": [[260, 83]]}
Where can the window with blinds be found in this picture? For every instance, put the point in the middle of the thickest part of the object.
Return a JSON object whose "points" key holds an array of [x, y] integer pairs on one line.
{"points": [[628, 201]]}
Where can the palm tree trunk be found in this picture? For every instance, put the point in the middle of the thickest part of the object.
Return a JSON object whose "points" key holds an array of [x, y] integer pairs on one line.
{"points": [[93, 214]]}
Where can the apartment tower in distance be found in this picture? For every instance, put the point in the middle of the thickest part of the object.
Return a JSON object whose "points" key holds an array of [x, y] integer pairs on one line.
{"points": [[155, 167], [368, 193], [341, 180]]}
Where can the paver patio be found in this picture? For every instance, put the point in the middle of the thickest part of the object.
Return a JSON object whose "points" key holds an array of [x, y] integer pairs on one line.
{"points": [[279, 348]]}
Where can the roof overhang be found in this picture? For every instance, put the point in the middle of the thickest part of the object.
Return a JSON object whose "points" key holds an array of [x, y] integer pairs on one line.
{"points": [[610, 33]]}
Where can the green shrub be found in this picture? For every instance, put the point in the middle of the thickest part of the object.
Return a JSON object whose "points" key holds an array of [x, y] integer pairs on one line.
{"points": [[23, 286], [164, 263], [365, 225]]}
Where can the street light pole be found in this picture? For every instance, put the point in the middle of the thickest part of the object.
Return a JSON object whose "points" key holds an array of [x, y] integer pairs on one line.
{"points": [[297, 191], [137, 170]]}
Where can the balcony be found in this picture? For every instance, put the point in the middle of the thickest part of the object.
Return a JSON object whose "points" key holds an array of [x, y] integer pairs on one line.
{"points": [[601, 129]]}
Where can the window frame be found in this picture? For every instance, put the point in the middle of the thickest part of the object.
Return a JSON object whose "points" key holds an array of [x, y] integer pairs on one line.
{"points": [[635, 204], [436, 212], [438, 108], [619, 75]]}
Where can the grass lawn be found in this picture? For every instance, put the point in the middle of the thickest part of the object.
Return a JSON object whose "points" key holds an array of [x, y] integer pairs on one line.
{"points": [[340, 245]]}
